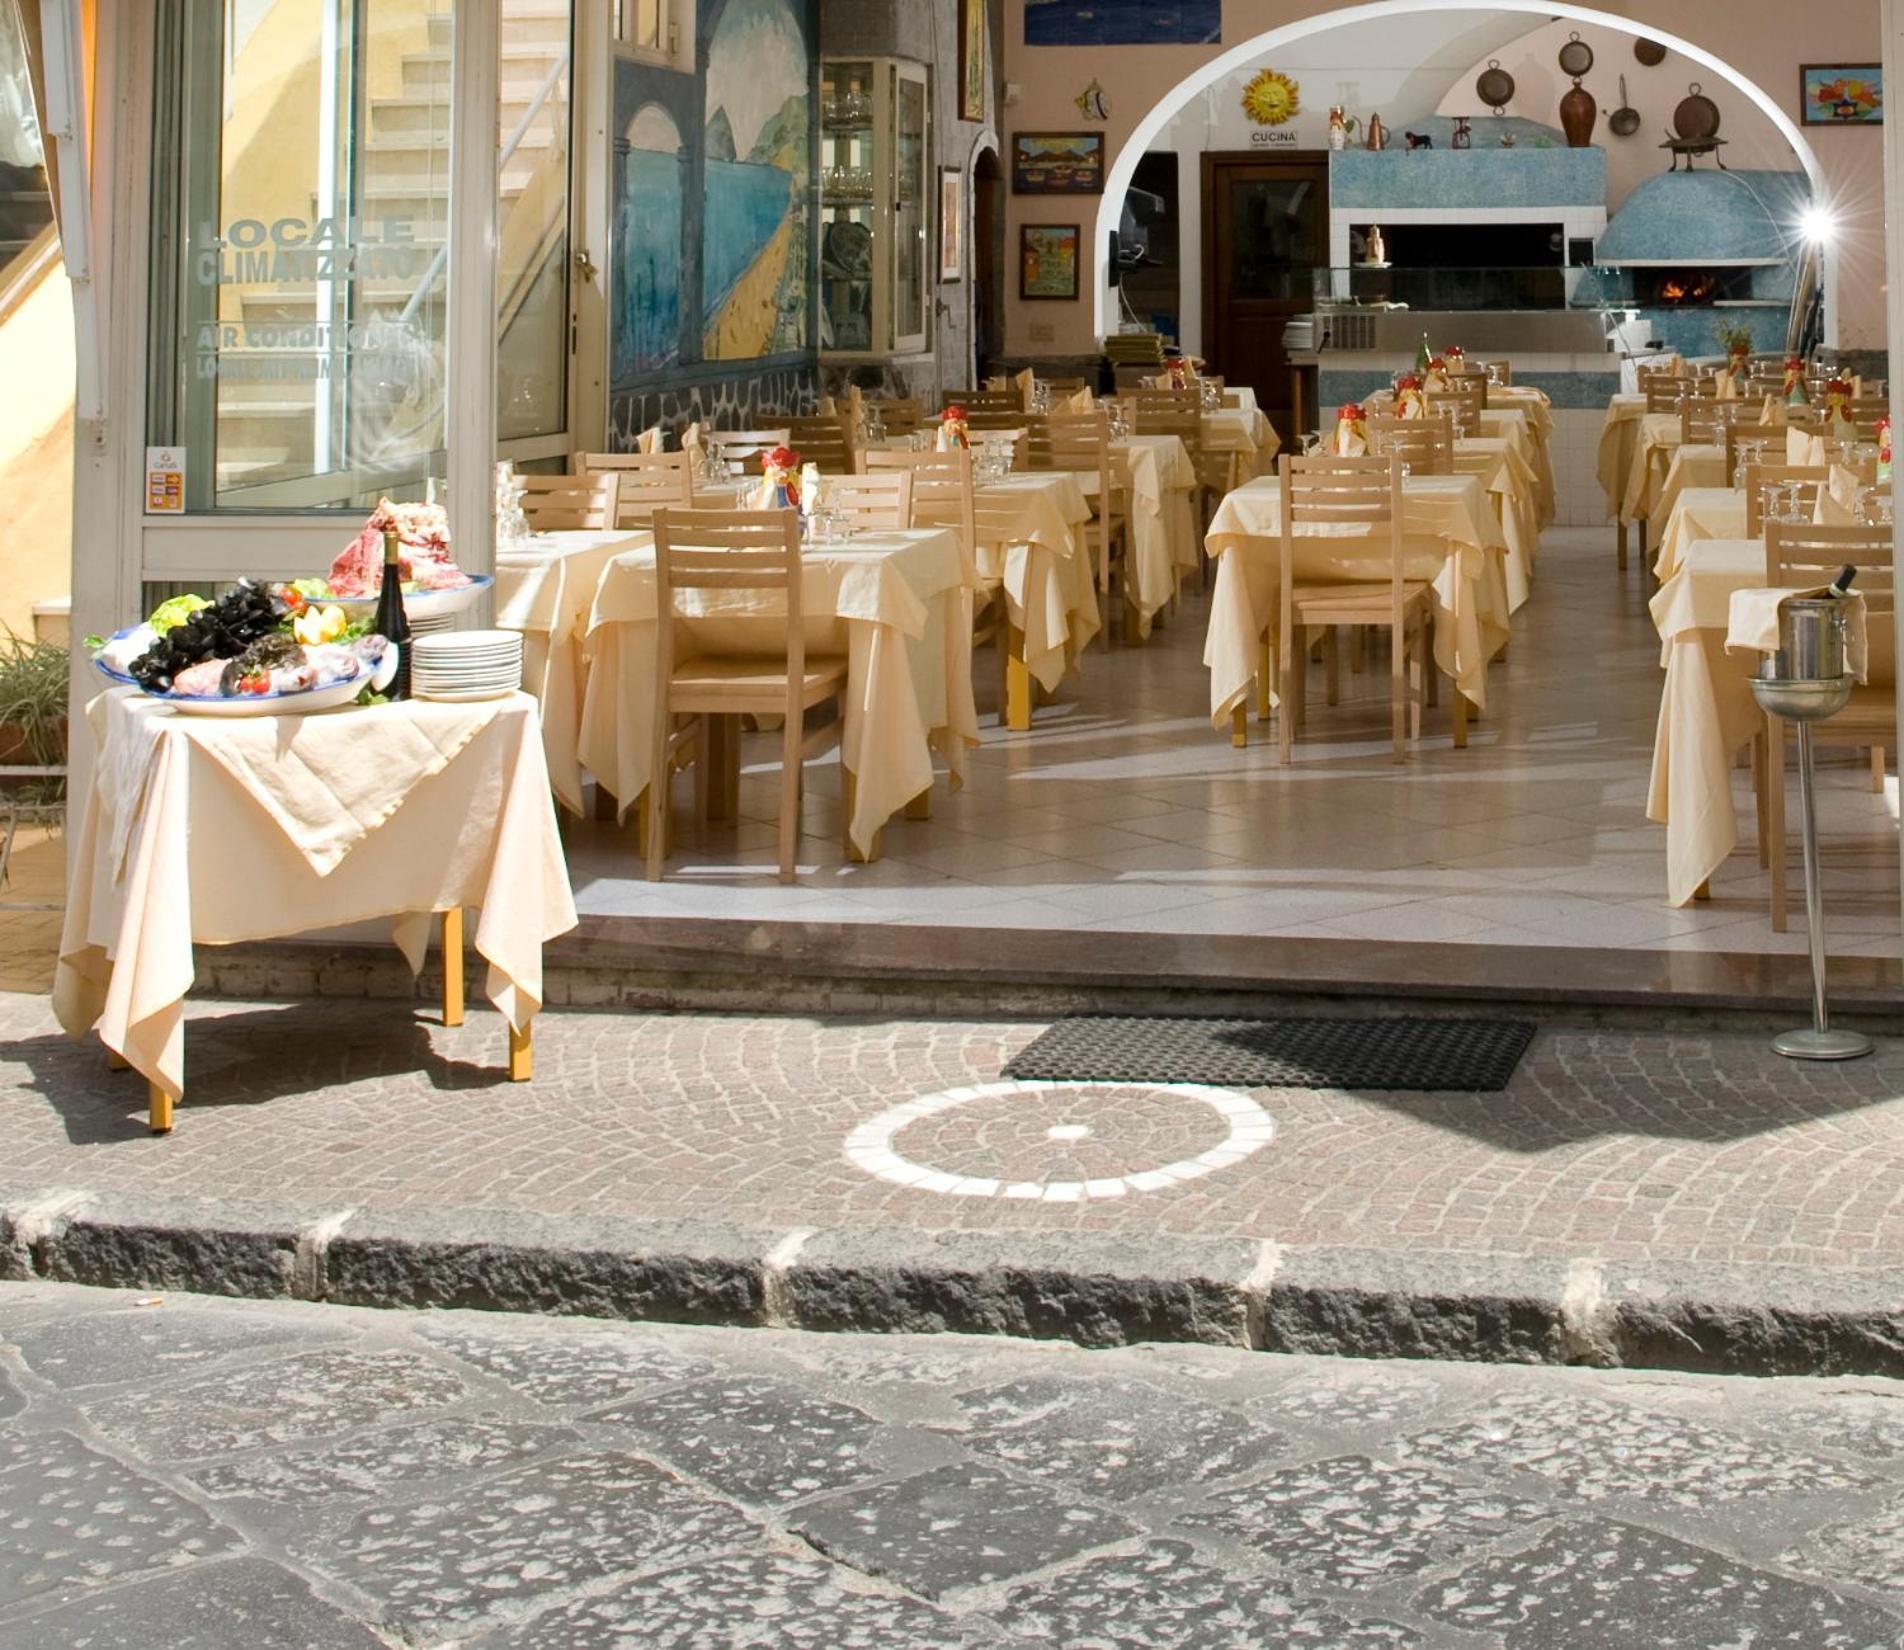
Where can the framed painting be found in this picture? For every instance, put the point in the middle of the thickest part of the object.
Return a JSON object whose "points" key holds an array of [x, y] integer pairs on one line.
{"points": [[951, 224], [1058, 163], [1048, 260], [973, 67], [1123, 22], [1841, 94]]}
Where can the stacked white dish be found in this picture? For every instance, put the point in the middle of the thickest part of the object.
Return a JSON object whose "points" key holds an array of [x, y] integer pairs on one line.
{"points": [[434, 625], [464, 665]]}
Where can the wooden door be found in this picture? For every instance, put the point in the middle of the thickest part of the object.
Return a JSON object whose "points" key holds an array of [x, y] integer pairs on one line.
{"points": [[1265, 234]]}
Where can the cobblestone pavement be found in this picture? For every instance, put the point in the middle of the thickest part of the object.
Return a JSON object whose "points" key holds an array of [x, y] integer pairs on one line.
{"points": [[1609, 1145], [215, 1475]]}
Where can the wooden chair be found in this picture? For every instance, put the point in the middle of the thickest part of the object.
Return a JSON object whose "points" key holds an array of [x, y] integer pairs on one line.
{"points": [[1178, 413], [1797, 556], [1664, 394], [748, 550], [1473, 373], [741, 448], [943, 496], [1755, 478], [1081, 443], [822, 441], [1006, 400], [995, 420], [555, 504], [876, 503], [1705, 421], [1467, 396], [1739, 436], [901, 416], [645, 483], [1503, 370], [1364, 493], [1425, 445], [1062, 388]]}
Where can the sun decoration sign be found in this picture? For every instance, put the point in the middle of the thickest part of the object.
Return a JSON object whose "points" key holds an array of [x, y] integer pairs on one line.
{"points": [[1272, 98]]}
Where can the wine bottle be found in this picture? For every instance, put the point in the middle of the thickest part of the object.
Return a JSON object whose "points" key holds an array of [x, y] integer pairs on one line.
{"points": [[1422, 356], [1841, 586], [392, 624]]}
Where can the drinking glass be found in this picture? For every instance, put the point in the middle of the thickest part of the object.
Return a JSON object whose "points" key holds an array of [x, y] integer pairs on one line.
{"points": [[1874, 508]]}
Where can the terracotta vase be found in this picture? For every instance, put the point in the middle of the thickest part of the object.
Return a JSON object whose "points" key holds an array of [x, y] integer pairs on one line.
{"points": [[1578, 112]]}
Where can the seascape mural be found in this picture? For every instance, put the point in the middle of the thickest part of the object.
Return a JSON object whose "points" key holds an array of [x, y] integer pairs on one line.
{"points": [[754, 272], [648, 224], [712, 271], [1123, 22]]}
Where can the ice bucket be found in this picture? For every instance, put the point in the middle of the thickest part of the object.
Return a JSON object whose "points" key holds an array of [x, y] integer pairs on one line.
{"points": [[1811, 641]]}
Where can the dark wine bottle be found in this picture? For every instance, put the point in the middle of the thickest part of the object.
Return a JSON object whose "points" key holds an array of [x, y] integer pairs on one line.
{"points": [[392, 624], [1841, 586]]}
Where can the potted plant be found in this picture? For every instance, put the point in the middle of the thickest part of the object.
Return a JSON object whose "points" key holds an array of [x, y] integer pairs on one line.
{"points": [[33, 686], [1737, 343]]}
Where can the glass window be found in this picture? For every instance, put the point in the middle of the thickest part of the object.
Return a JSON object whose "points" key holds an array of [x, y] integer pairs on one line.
{"points": [[909, 229], [301, 247], [532, 223], [26, 206]]}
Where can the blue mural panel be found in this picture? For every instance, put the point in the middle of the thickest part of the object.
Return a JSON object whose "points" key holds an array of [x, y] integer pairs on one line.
{"points": [[647, 331], [1123, 22]]}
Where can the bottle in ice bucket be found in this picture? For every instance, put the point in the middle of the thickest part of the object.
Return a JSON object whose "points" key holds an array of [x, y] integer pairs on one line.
{"points": [[392, 624]]}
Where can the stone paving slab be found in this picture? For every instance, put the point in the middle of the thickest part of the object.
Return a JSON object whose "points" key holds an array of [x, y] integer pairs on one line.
{"points": [[527, 1483], [1681, 1200]]}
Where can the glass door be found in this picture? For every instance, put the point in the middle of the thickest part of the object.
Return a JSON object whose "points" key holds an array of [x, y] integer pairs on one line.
{"points": [[912, 196], [848, 186]]}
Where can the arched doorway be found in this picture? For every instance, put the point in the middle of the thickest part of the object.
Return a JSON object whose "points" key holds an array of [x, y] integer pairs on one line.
{"points": [[1123, 169], [988, 263]]}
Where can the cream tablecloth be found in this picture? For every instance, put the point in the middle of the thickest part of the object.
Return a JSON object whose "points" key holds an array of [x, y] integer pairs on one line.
{"points": [[1702, 465], [1050, 585], [1523, 417], [546, 589], [896, 606], [1653, 447], [1163, 529], [1246, 432], [1618, 436], [1515, 492], [213, 831], [1451, 537], [1698, 513]]}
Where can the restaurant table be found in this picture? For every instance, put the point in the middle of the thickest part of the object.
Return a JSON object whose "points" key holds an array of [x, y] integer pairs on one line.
{"points": [[1163, 530], [1702, 464], [897, 606], [1451, 538], [1618, 436], [1706, 713], [545, 588], [1653, 448], [1514, 490], [1050, 585], [1529, 425], [214, 830], [1699, 513], [1247, 433]]}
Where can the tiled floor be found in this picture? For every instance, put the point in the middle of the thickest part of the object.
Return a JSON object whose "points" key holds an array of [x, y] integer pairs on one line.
{"points": [[1123, 810]]}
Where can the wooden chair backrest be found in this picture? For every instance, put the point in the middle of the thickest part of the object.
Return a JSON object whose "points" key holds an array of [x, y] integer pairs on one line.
{"points": [[1801, 554], [1755, 478], [941, 487], [1425, 445], [1466, 397], [1705, 421], [1329, 491], [881, 502], [755, 550], [738, 446], [1061, 387], [1664, 394], [1184, 421], [1738, 435], [1081, 444], [1472, 374], [554, 504], [1008, 400], [901, 417], [822, 441], [644, 482], [1503, 370]]}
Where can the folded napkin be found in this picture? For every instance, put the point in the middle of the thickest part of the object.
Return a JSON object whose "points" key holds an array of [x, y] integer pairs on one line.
{"points": [[653, 440], [1026, 382], [692, 439], [1832, 511], [1082, 402], [1802, 447], [1728, 387], [1772, 414], [1351, 438], [1753, 623]]}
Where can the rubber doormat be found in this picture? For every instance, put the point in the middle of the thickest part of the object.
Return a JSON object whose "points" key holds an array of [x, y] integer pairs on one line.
{"points": [[1476, 1056]]}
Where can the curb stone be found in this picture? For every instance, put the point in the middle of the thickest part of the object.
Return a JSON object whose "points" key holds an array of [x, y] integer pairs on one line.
{"points": [[1094, 1289]]}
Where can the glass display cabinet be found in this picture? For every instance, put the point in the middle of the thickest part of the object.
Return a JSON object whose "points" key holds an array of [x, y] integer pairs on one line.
{"points": [[875, 207]]}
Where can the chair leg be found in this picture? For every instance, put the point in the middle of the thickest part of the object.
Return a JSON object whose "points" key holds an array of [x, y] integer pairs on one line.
{"points": [[1877, 769], [1239, 727], [1265, 678], [1428, 654], [1775, 820], [1104, 585], [1759, 794], [1398, 694], [792, 760], [1620, 547], [1459, 701], [1417, 684], [1331, 671], [1294, 659]]}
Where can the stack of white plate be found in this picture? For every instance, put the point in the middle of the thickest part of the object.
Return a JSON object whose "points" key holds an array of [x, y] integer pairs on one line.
{"points": [[466, 664], [435, 625]]}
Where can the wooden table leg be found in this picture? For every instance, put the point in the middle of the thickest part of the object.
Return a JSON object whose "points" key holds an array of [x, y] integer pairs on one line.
{"points": [[1460, 701], [1017, 684], [117, 1062], [1620, 542], [453, 966], [522, 1054], [1703, 891], [920, 807], [159, 1109], [1239, 726]]}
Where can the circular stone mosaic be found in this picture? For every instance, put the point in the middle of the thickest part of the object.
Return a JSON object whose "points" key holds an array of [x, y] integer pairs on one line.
{"points": [[1060, 1142]]}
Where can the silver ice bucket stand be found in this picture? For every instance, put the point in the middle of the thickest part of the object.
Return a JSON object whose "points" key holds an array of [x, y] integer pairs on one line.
{"points": [[1806, 682]]}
